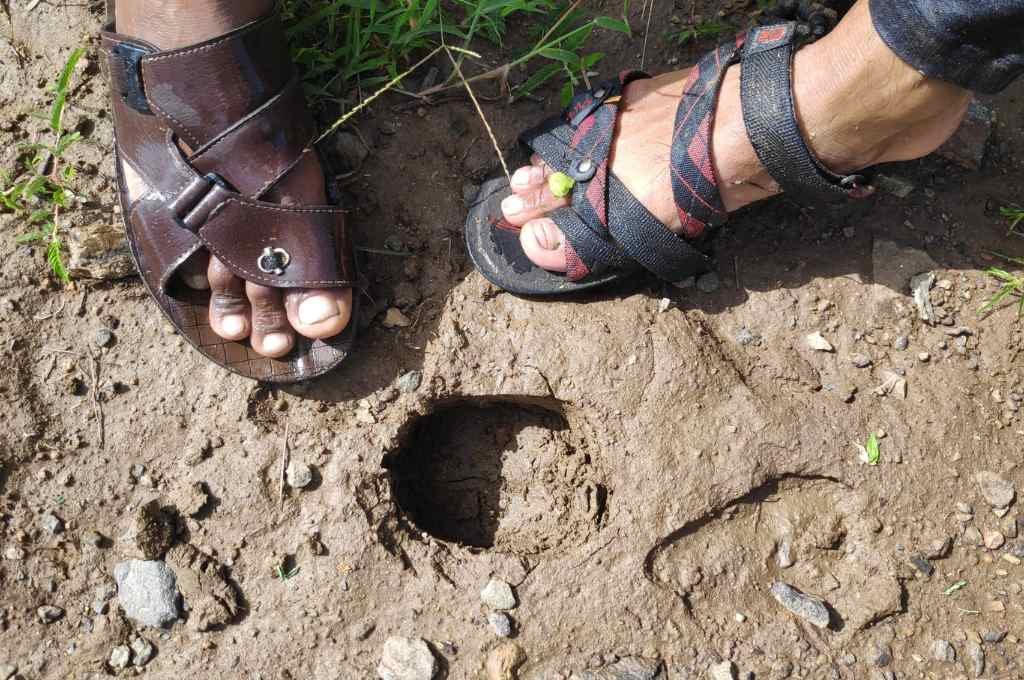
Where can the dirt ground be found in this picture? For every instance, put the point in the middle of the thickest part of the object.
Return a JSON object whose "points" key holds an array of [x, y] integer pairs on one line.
{"points": [[640, 466]]}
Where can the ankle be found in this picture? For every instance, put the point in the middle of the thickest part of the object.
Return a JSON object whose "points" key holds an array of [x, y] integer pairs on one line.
{"points": [[169, 24]]}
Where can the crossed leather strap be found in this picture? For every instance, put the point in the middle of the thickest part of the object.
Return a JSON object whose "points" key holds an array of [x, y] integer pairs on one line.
{"points": [[606, 228]]}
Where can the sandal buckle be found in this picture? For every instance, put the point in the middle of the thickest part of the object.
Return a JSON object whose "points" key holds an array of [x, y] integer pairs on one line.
{"points": [[197, 201], [273, 261]]}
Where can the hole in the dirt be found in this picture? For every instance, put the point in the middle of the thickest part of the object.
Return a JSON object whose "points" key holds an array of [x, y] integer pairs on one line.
{"points": [[500, 476]]}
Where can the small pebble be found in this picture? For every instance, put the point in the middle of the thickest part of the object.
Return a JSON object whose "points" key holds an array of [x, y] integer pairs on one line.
{"points": [[52, 523], [137, 471], [809, 608], [142, 651], [120, 657], [901, 343], [498, 595], [48, 613], [860, 360], [410, 382], [103, 338], [501, 624], [722, 671], [993, 636], [394, 318], [817, 342], [406, 659], [943, 651], [924, 357], [299, 475]]}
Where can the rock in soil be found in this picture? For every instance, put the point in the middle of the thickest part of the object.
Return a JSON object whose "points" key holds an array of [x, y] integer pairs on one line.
{"points": [[968, 145], [142, 651], [52, 523], [998, 492], [976, 656], [629, 668], [48, 613], [299, 474], [498, 595], [406, 659], [410, 382], [943, 651], [817, 342], [147, 591], [98, 251], [722, 671], [120, 658], [501, 624], [503, 662], [811, 609]]}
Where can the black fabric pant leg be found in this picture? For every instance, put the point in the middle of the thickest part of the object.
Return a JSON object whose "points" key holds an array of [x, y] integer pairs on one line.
{"points": [[977, 44]]}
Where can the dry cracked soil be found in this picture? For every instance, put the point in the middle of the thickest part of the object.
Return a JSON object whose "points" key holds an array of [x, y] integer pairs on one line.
{"points": [[639, 466]]}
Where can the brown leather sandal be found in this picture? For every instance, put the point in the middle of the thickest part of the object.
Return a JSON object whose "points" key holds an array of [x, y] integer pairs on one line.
{"points": [[236, 103]]}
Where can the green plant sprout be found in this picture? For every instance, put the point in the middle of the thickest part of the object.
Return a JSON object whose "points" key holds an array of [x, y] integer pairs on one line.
{"points": [[701, 31], [42, 190], [1015, 216], [1012, 285]]}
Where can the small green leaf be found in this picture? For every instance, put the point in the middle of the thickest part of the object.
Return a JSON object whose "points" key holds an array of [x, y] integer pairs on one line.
{"points": [[564, 56], [955, 587], [872, 448], [611, 24], [56, 264]]}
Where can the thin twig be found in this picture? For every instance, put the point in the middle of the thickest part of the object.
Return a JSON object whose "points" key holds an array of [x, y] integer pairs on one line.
{"points": [[487, 126], [647, 32], [284, 462]]}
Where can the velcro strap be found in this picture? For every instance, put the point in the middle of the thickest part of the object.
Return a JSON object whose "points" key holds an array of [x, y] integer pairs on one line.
{"points": [[202, 90], [766, 94], [282, 246]]}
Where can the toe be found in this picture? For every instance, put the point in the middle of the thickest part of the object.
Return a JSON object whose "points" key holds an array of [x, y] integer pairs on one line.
{"points": [[531, 196], [193, 270], [544, 243], [272, 335], [319, 314], [229, 308]]}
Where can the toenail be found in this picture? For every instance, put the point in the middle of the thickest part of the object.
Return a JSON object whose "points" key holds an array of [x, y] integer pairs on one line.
{"points": [[544, 237], [233, 325], [275, 343], [512, 205], [536, 175], [522, 177], [316, 309]]}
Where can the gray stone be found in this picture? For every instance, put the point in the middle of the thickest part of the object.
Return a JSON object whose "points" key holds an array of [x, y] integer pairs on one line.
{"points": [[897, 186], [877, 674], [744, 336], [406, 659], [922, 565], [142, 651], [784, 555], [93, 538], [7, 671], [901, 343], [104, 337], [976, 655], [993, 636], [501, 624], [708, 283], [848, 659], [860, 360], [137, 470], [52, 523], [299, 474], [972, 536], [809, 608], [998, 492], [629, 668], [943, 651], [120, 658], [879, 656], [48, 613], [722, 671], [410, 382], [919, 287], [147, 591], [498, 595]]}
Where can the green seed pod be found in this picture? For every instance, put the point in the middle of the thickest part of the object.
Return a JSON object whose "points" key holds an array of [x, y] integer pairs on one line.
{"points": [[560, 184]]}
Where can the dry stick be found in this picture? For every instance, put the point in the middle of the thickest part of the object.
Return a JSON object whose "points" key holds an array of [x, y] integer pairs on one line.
{"points": [[490, 133], [647, 32], [387, 86], [284, 462]]}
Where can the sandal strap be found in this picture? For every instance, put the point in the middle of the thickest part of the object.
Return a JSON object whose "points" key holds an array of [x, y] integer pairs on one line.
{"points": [[237, 102], [766, 95], [694, 183]]}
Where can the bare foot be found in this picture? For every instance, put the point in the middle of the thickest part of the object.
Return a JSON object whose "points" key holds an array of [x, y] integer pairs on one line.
{"points": [[857, 103], [241, 309]]}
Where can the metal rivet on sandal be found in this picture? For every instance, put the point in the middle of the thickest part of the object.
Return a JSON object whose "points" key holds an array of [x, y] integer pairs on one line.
{"points": [[273, 261], [582, 170]]}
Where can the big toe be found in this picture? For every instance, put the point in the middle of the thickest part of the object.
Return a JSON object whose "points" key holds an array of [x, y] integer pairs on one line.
{"points": [[543, 242], [319, 314]]}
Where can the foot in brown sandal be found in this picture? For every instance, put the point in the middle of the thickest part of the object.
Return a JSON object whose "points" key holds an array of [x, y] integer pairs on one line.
{"points": [[233, 110]]}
